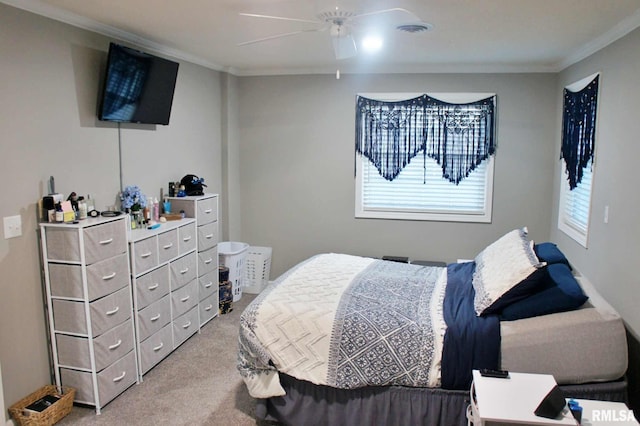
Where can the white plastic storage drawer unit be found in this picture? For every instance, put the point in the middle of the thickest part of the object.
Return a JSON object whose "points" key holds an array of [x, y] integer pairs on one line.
{"points": [[204, 209], [164, 271], [88, 292]]}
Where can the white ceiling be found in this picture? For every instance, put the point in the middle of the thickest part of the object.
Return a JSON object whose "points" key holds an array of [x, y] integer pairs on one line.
{"points": [[467, 35]]}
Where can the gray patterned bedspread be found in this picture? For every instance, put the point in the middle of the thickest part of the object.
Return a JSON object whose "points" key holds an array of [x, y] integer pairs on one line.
{"points": [[347, 322]]}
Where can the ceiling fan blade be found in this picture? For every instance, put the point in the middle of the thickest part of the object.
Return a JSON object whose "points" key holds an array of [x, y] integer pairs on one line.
{"points": [[282, 18], [379, 12], [344, 47], [280, 36]]}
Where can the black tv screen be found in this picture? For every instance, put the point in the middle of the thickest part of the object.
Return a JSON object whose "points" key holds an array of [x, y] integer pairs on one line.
{"points": [[138, 87]]}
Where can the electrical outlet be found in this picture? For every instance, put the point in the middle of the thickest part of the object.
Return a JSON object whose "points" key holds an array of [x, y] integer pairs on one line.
{"points": [[12, 226]]}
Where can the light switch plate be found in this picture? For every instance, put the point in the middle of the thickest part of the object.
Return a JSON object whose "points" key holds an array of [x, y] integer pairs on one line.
{"points": [[12, 226]]}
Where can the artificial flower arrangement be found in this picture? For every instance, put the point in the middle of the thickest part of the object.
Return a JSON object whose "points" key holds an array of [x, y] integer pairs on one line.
{"points": [[133, 199]]}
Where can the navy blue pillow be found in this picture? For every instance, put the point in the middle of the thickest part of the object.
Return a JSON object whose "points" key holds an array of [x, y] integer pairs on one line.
{"points": [[525, 288], [559, 294], [550, 253]]}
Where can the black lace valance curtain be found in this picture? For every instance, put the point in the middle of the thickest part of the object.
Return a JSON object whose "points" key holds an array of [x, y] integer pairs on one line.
{"points": [[579, 130], [458, 136]]}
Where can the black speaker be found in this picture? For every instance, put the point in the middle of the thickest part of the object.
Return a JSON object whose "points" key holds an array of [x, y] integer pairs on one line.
{"points": [[552, 404]]}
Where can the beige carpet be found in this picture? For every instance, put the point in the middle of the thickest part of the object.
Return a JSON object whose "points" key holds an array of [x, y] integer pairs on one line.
{"points": [[197, 384]]}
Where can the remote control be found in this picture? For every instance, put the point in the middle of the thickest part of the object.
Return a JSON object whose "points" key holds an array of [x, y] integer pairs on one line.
{"points": [[500, 374]]}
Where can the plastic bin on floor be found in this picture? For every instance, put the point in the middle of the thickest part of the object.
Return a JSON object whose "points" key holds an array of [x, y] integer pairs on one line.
{"points": [[257, 269], [232, 254]]}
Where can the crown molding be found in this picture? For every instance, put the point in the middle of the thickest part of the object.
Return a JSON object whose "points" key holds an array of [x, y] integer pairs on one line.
{"points": [[38, 7], [623, 28]]}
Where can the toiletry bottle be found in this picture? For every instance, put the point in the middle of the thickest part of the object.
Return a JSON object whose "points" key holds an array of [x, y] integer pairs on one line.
{"points": [[91, 206], [59, 213], [82, 208], [156, 210]]}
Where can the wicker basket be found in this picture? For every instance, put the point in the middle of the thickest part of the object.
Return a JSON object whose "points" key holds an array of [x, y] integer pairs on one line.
{"points": [[52, 414]]}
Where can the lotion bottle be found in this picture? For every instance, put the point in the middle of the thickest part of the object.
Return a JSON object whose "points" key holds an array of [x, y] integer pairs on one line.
{"points": [[82, 208], [156, 210]]}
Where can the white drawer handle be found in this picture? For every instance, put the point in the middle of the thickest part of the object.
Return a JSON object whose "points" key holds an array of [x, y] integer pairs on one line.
{"points": [[187, 325], [103, 242], [153, 287], [184, 299], [209, 284], [115, 345], [108, 277], [208, 261], [156, 318], [145, 255], [168, 246], [120, 377], [188, 238], [113, 311], [207, 211], [184, 271], [208, 308], [208, 236], [157, 348]]}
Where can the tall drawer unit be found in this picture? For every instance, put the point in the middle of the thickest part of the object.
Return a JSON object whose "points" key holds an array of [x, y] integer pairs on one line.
{"points": [[164, 272], [204, 209], [89, 307]]}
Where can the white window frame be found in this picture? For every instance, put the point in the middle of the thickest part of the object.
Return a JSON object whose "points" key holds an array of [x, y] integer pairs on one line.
{"points": [[568, 222], [484, 216]]}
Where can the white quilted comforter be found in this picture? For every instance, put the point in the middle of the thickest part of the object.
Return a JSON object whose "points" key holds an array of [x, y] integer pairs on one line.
{"points": [[347, 322]]}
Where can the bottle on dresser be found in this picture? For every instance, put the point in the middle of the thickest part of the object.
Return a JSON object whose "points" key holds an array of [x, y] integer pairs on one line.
{"points": [[91, 206], [156, 210]]}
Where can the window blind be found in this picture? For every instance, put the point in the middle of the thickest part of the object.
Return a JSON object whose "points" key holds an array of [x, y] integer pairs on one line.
{"points": [[423, 189], [577, 203]]}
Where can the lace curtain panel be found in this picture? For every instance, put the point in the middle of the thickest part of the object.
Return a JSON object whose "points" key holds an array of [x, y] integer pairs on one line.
{"points": [[579, 130], [457, 136]]}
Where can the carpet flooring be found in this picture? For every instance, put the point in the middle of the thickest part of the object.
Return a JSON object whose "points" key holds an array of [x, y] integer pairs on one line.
{"points": [[197, 384]]}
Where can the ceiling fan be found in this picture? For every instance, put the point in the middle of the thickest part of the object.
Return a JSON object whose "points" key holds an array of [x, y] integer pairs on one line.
{"points": [[340, 24]]}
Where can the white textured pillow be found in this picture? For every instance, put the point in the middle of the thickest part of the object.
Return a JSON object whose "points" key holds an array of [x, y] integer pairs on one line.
{"points": [[501, 266]]}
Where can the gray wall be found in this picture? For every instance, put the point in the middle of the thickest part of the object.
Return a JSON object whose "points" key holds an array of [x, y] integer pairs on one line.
{"points": [[613, 248], [279, 150], [610, 261], [297, 166], [49, 79]]}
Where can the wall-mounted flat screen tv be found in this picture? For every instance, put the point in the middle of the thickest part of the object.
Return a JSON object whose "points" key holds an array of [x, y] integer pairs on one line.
{"points": [[138, 87]]}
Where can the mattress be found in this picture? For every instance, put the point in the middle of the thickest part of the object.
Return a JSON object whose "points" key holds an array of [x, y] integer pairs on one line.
{"points": [[581, 346]]}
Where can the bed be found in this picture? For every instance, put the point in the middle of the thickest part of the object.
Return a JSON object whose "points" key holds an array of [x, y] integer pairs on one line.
{"points": [[343, 339]]}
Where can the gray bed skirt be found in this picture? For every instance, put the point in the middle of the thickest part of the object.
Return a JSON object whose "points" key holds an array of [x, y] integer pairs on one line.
{"points": [[309, 404]]}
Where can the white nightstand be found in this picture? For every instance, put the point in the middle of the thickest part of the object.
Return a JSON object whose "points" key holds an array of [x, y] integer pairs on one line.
{"points": [[514, 400]]}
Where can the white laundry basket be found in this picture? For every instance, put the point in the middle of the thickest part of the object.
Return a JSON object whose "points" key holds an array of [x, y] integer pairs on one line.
{"points": [[232, 254], [257, 269]]}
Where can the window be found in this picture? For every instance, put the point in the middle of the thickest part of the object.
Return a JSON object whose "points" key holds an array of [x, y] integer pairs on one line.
{"points": [[419, 191], [578, 151], [575, 206]]}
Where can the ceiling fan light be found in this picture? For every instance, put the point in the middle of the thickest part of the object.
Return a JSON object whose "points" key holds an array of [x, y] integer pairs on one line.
{"points": [[344, 47], [372, 43]]}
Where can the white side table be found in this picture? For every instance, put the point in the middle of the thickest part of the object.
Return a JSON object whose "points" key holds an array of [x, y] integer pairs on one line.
{"points": [[515, 399]]}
